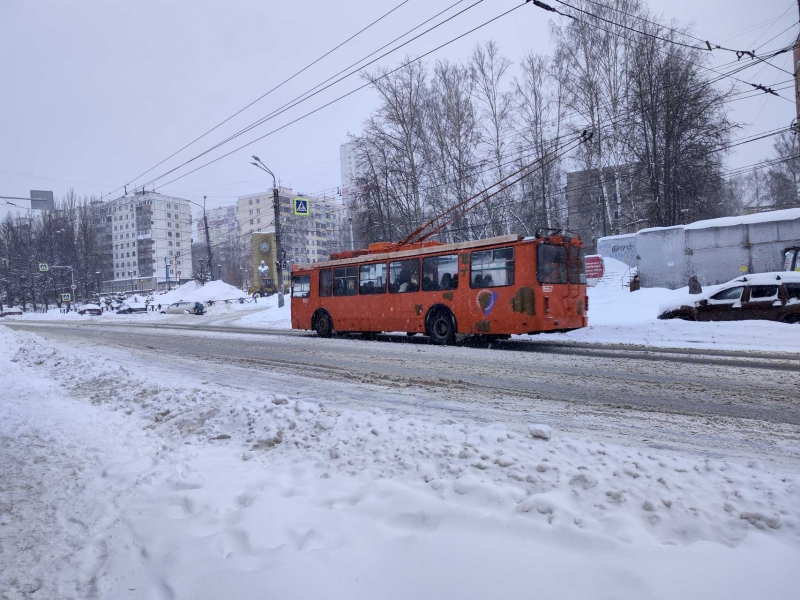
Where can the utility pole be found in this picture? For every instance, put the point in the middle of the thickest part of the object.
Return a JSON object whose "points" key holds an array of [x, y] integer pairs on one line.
{"points": [[208, 242], [276, 204], [796, 71], [352, 241]]}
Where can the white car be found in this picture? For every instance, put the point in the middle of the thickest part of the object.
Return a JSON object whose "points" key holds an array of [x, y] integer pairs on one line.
{"points": [[182, 307]]}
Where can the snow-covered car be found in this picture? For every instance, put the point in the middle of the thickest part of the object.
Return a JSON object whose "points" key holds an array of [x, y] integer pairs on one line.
{"points": [[127, 309], [764, 296], [10, 312], [182, 307], [90, 309]]}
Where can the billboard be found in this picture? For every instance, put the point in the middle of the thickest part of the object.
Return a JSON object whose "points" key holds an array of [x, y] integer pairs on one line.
{"points": [[42, 200]]}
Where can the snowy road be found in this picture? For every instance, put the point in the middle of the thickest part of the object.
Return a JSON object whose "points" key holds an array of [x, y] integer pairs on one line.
{"points": [[700, 402], [173, 464]]}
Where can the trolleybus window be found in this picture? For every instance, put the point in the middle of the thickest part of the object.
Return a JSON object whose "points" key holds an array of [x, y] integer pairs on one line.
{"points": [[577, 265], [551, 263], [344, 281], [372, 279], [301, 286], [404, 276], [440, 273], [325, 283], [492, 268]]}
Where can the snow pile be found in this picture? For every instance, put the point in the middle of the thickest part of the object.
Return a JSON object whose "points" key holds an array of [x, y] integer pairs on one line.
{"points": [[259, 490], [192, 291], [269, 315]]}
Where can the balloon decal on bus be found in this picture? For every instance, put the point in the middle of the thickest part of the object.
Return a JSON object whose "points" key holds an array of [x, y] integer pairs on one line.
{"points": [[486, 300]]}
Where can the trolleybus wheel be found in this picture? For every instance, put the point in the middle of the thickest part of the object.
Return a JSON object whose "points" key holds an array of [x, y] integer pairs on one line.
{"points": [[323, 325], [441, 329]]}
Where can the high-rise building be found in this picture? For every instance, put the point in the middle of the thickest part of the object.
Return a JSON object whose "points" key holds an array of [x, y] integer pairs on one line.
{"points": [[350, 172], [304, 239], [146, 241], [222, 225]]}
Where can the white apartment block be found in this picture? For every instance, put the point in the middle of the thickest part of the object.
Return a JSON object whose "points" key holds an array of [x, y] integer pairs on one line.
{"points": [[223, 225], [350, 171], [151, 241], [304, 239]]}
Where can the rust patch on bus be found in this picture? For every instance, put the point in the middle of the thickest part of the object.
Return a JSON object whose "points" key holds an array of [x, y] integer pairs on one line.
{"points": [[447, 295], [522, 302], [580, 307], [465, 258], [483, 326], [418, 309]]}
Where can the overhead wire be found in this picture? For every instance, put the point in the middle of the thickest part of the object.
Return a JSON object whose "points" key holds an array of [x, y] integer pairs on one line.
{"points": [[339, 98], [276, 87], [308, 94]]}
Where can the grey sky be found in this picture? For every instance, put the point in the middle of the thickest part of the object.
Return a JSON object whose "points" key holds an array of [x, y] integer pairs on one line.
{"points": [[96, 92]]}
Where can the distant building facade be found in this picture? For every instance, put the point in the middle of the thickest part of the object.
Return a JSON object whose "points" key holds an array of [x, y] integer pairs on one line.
{"points": [[222, 225], [145, 241], [586, 213], [350, 172], [304, 239]]}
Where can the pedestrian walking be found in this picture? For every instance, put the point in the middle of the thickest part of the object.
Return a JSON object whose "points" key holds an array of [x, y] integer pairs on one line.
{"points": [[694, 285]]}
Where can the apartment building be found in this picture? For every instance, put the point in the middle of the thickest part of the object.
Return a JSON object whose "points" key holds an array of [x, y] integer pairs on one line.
{"points": [[303, 238], [150, 241], [222, 225], [350, 171]]}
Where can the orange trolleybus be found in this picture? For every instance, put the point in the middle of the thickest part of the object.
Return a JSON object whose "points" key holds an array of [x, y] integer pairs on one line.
{"points": [[493, 287]]}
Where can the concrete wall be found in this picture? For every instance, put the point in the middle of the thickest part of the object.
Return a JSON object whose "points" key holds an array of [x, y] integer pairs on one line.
{"points": [[667, 257], [621, 247], [662, 259]]}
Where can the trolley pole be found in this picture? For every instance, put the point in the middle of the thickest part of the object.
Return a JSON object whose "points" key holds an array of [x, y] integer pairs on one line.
{"points": [[276, 204]]}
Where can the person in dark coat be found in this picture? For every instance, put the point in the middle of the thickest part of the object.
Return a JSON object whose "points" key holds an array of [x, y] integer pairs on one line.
{"points": [[635, 283], [694, 285]]}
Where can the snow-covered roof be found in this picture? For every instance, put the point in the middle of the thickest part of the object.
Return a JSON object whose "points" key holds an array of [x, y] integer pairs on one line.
{"points": [[621, 236], [652, 229], [789, 214], [767, 278]]}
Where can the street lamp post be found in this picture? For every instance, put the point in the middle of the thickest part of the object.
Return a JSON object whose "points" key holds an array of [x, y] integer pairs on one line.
{"points": [[277, 222]]}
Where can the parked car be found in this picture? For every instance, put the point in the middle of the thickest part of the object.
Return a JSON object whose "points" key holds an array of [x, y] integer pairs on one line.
{"points": [[90, 309], [126, 309], [764, 296], [180, 308], [10, 312]]}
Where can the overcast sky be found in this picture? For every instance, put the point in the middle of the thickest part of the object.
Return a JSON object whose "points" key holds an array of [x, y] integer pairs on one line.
{"points": [[93, 93]]}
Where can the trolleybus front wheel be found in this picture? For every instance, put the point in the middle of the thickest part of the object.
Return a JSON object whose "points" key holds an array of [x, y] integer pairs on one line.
{"points": [[323, 325], [441, 327]]}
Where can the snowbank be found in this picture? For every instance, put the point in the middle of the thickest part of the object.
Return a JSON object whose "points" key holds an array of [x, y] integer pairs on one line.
{"points": [[192, 291], [253, 491], [618, 316]]}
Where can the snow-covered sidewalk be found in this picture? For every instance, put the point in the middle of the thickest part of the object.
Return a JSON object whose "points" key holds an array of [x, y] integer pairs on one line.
{"points": [[121, 487]]}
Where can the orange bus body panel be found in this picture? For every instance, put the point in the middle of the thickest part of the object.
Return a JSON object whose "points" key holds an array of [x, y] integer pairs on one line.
{"points": [[526, 306]]}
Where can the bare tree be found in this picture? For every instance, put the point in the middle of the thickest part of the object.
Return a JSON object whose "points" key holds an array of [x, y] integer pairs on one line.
{"points": [[452, 139]]}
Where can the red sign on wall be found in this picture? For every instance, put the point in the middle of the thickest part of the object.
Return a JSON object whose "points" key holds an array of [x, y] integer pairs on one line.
{"points": [[594, 269]]}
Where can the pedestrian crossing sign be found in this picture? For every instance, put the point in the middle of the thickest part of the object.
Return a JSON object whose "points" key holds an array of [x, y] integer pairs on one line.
{"points": [[301, 207], [66, 297]]}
